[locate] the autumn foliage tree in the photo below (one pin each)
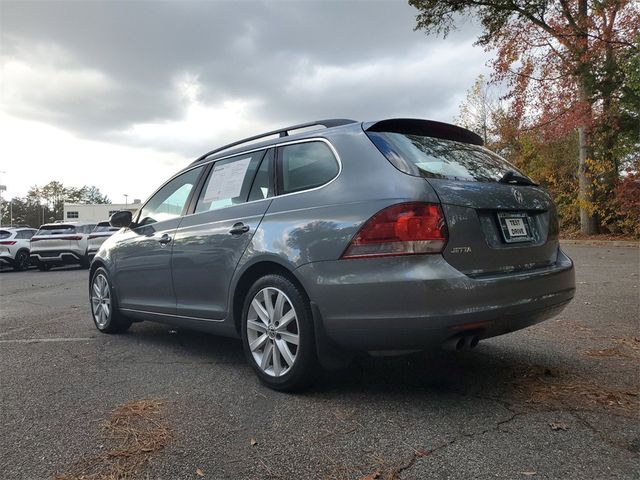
(568, 65)
(479, 109)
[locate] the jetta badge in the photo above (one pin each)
(517, 194)
(461, 250)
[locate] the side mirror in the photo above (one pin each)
(120, 219)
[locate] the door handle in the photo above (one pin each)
(164, 239)
(239, 228)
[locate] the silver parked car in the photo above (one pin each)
(98, 235)
(62, 243)
(396, 235)
(14, 247)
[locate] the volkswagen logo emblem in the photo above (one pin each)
(517, 194)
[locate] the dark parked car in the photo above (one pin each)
(395, 235)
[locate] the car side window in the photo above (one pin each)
(302, 166)
(263, 182)
(169, 201)
(229, 182)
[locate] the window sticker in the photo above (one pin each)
(226, 180)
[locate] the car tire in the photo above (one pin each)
(22, 261)
(104, 305)
(44, 267)
(278, 338)
(84, 261)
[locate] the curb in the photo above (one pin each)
(601, 243)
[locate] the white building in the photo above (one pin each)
(95, 212)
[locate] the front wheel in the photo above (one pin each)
(104, 307)
(278, 334)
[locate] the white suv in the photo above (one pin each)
(58, 244)
(97, 237)
(14, 246)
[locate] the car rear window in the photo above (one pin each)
(56, 230)
(105, 228)
(440, 158)
(302, 166)
(4, 234)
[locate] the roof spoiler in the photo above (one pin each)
(282, 132)
(429, 128)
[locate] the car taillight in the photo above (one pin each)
(8, 242)
(68, 237)
(403, 229)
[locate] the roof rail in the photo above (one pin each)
(283, 132)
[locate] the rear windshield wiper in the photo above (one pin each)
(516, 179)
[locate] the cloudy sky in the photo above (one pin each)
(121, 94)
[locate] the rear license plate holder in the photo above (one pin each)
(515, 227)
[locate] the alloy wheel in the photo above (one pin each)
(100, 300)
(273, 331)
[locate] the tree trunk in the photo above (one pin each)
(588, 219)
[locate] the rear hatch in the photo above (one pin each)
(54, 238)
(498, 220)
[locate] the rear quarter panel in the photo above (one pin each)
(318, 224)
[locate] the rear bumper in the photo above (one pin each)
(56, 256)
(6, 259)
(421, 301)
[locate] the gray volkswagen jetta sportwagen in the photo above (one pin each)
(395, 235)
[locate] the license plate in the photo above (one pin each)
(515, 227)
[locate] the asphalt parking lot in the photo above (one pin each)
(558, 400)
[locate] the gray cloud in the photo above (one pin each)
(98, 68)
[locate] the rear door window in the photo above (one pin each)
(230, 182)
(4, 234)
(440, 158)
(302, 166)
(263, 182)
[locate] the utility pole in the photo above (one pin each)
(126, 200)
(2, 189)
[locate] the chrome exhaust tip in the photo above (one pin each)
(455, 344)
(458, 344)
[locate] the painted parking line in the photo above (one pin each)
(13, 330)
(45, 340)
